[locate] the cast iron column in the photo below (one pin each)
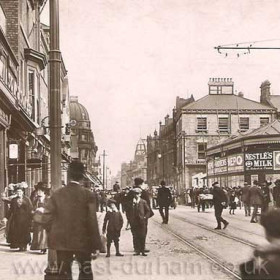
(54, 95)
(55, 118)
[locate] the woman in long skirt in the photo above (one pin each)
(39, 241)
(20, 220)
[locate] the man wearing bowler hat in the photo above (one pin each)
(219, 202)
(164, 199)
(73, 224)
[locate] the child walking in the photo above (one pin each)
(113, 222)
(232, 202)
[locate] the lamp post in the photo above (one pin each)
(161, 157)
(55, 116)
(54, 95)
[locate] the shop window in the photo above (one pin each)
(3, 68)
(243, 124)
(201, 124)
(201, 151)
(264, 121)
(31, 95)
(223, 125)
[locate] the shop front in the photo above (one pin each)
(245, 158)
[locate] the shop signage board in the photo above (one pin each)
(276, 160)
(236, 163)
(210, 167)
(259, 161)
(220, 165)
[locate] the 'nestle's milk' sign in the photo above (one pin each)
(259, 161)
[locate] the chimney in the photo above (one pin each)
(265, 92)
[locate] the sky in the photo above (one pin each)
(127, 60)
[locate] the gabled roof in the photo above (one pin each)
(225, 102)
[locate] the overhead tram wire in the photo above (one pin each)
(246, 46)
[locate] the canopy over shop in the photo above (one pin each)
(254, 155)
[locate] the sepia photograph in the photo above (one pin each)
(139, 139)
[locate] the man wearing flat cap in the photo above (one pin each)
(219, 202)
(138, 214)
(74, 227)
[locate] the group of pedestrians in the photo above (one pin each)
(19, 216)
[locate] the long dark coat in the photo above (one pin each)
(164, 197)
(74, 226)
(20, 222)
(256, 196)
(219, 196)
(276, 195)
(245, 194)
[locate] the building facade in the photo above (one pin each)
(83, 146)
(161, 154)
(210, 120)
(136, 168)
(246, 157)
(24, 97)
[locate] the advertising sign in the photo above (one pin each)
(259, 161)
(210, 167)
(236, 163)
(276, 160)
(220, 165)
(13, 151)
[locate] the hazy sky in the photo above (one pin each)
(128, 59)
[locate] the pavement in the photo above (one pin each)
(169, 257)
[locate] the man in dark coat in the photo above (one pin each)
(116, 187)
(256, 199)
(266, 196)
(74, 227)
(219, 202)
(245, 199)
(164, 198)
(138, 214)
(265, 263)
(276, 193)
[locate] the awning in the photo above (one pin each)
(93, 179)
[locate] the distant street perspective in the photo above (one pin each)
(139, 140)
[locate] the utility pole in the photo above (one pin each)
(104, 169)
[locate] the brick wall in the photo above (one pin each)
(11, 9)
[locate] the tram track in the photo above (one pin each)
(238, 228)
(221, 233)
(201, 251)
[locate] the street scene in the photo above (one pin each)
(139, 139)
